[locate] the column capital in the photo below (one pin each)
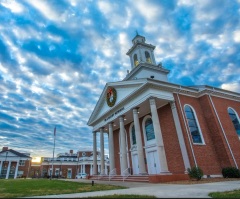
(135, 110)
(152, 101)
(101, 129)
(172, 104)
(121, 118)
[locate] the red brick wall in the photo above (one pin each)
(25, 168)
(206, 156)
(218, 140)
(170, 140)
(116, 151)
(222, 106)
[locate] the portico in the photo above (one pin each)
(132, 112)
(13, 164)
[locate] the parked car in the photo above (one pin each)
(81, 175)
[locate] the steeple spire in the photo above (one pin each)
(137, 33)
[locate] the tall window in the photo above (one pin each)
(147, 55)
(22, 163)
(193, 126)
(135, 58)
(150, 135)
(133, 136)
(235, 120)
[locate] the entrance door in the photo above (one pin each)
(135, 164)
(153, 163)
(69, 173)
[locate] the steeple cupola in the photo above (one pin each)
(141, 52)
(143, 64)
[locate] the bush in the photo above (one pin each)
(231, 172)
(195, 172)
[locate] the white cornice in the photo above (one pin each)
(144, 65)
(148, 83)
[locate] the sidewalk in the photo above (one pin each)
(158, 190)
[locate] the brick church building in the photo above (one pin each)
(160, 129)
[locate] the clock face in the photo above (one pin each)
(111, 96)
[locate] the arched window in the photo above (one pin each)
(135, 58)
(235, 120)
(150, 135)
(193, 125)
(147, 55)
(133, 136)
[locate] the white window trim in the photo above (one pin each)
(199, 127)
(146, 142)
(237, 119)
(22, 162)
(57, 169)
(130, 133)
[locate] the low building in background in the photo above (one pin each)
(67, 165)
(14, 164)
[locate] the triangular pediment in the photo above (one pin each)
(7, 154)
(123, 90)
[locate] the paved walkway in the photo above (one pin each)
(158, 190)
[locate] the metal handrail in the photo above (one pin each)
(112, 174)
(125, 174)
(102, 173)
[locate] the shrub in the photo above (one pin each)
(195, 172)
(231, 172)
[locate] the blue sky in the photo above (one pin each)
(57, 55)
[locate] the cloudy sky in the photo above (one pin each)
(57, 55)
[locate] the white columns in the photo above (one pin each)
(141, 163)
(84, 168)
(111, 147)
(123, 145)
(94, 154)
(102, 150)
(16, 170)
(180, 137)
(99, 168)
(91, 170)
(158, 136)
(8, 170)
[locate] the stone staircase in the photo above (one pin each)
(131, 178)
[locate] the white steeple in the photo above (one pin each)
(143, 64)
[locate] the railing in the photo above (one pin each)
(102, 173)
(125, 174)
(112, 174)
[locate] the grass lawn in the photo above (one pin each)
(226, 194)
(36, 187)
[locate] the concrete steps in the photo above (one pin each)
(131, 178)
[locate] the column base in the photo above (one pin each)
(143, 174)
(165, 173)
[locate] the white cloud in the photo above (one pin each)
(149, 11)
(14, 6)
(236, 35)
(47, 11)
(112, 14)
(231, 86)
